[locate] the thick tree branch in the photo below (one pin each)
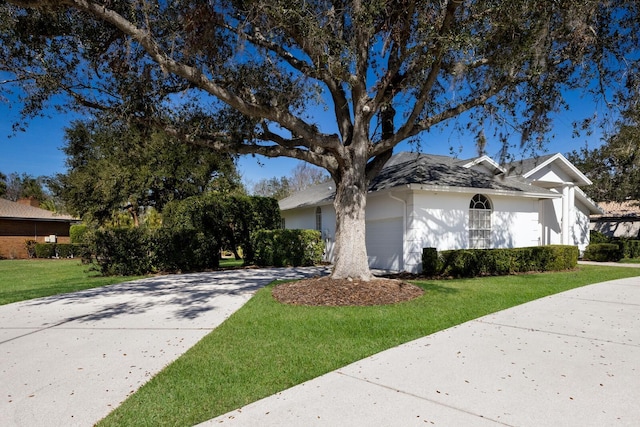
(428, 122)
(340, 102)
(192, 74)
(439, 52)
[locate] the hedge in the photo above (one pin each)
(185, 250)
(486, 262)
(123, 251)
(55, 250)
(287, 247)
(193, 233)
(629, 248)
(604, 252)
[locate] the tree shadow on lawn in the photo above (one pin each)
(435, 288)
(180, 296)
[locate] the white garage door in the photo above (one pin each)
(384, 244)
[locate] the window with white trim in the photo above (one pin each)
(480, 222)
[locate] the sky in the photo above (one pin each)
(37, 151)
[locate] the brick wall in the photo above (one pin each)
(14, 234)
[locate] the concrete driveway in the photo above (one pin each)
(68, 360)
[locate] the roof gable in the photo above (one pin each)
(550, 169)
(487, 162)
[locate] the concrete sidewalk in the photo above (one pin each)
(68, 360)
(571, 359)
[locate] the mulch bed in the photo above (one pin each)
(324, 291)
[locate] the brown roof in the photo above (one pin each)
(14, 210)
(620, 209)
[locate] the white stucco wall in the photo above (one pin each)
(515, 222)
(551, 221)
(580, 231)
(442, 221)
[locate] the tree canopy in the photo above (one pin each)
(614, 167)
(21, 186)
(115, 167)
(246, 76)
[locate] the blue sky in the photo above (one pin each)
(37, 151)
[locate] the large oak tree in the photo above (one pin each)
(246, 75)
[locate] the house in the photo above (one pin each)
(620, 219)
(420, 200)
(24, 220)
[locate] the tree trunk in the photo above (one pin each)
(350, 246)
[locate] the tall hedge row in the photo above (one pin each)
(485, 262)
(605, 248)
(193, 233)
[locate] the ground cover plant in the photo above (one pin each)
(267, 346)
(34, 278)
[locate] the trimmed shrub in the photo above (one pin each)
(598, 237)
(630, 248)
(45, 250)
(185, 250)
(69, 250)
(430, 261)
(287, 247)
(123, 251)
(483, 262)
(604, 252)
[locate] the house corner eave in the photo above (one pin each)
(488, 191)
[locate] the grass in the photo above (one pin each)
(630, 261)
(34, 278)
(266, 347)
(231, 263)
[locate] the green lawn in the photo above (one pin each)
(231, 263)
(266, 347)
(34, 278)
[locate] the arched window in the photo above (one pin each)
(318, 219)
(480, 222)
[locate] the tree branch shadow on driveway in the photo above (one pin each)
(181, 296)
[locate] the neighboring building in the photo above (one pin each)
(620, 219)
(24, 220)
(421, 200)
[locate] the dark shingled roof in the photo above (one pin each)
(416, 168)
(521, 167)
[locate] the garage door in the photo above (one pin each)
(384, 244)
